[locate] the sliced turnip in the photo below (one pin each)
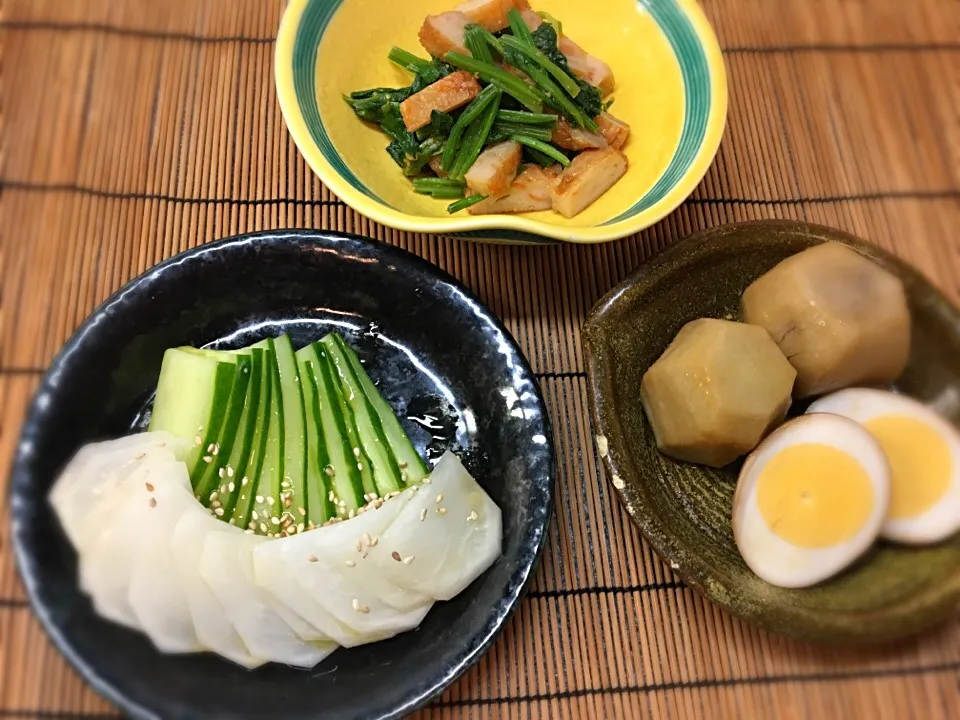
(336, 568)
(157, 594)
(226, 565)
(446, 536)
(98, 468)
(214, 629)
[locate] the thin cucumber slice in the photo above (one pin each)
(246, 430)
(292, 491)
(370, 435)
(345, 481)
(192, 397)
(319, 503)
(406, 455)
(249, 479)
(267, 498)
(218, 473)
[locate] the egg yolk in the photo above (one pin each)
(813, 495)
(919, 461)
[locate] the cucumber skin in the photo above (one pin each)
(271, 470)
(373, 441)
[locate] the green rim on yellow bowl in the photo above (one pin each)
(699, 112)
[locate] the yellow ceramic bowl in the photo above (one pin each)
(670, 87)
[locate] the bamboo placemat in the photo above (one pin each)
(134, 130)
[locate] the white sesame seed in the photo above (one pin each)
(366, 538)
(197, 440)
(210, 448)
(331, 497)
(243, 483)
(153, 502)
(312, 558)
(207, 459)
(275, 520)
(255, 515)
(350, 563)
(259, 498)
(360, 467)
(229, 471)
(439, 498)
(364, 609)
(231, 487)
(408, 560)
(441, 511)
(218, 512)
(423, 514)
(220, 472)
(402, 464)
(270, 500)
(329, 471)
(300, 528)
(263, 527)
(252, 525)
(352, 514)
(472, 516)
(302, 511)
(149, 487)
(359, 546)
(356, 604)
(403, 476)
(214, 495)
(215, 504)
(223, 489)
(248, 532)
(233, 521)
(426, 481)
(216, 449)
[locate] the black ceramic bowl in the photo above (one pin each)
(433, 349)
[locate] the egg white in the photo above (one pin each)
(780, 562)
(942, 519)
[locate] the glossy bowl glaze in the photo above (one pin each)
(684, 510)
(434, 351)
(671, 89)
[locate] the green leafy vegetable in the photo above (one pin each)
(475, 139)
(554, 95)
(440, 125)
(500, 78)
(526, 118)
(465, 203)
(477, 44)
(470, 113)
(548, 150)
(428, 149)
(589, 99)
(518, 26)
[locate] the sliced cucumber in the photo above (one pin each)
(341, 395)
(408, 460)
(193, 393)
(246, 430)
(293, 494)
(250, 476)
(267, 497)
(370, 435)
(319, 506)
(219, 472)
(346, 481)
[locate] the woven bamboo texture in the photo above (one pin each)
(134, 130)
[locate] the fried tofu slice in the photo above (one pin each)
(529, 192)
(491, 14)
(436, 164)
(586, 66)
(614, 130)
(494, 170)
(589, 175)
(446, 94)
(569, 137)
(443, 33)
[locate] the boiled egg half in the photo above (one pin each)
(810, 499)
(923, 451)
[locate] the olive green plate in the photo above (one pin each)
(683, 510)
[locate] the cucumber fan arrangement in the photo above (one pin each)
(274, 511)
